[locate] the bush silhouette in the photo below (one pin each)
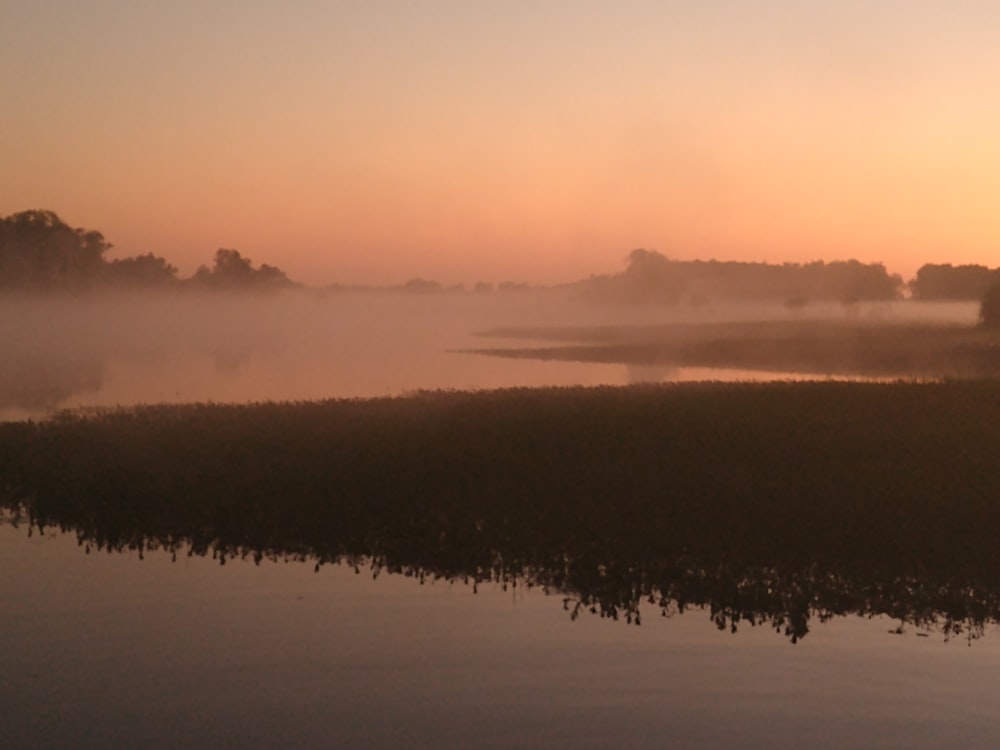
(989, 310)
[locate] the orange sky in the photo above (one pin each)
(375, 141)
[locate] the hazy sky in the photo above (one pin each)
(371, 141)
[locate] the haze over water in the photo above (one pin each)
(123, 349)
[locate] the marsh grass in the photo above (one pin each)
(817, 347)
(767, 503)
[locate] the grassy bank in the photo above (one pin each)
(766, 502)
(823, 347)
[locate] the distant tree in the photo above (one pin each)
(231, 270)
(268, 275)
(652, 277)
(989, 308)
(943, 281)
(422, 286)
(513, 286)
(231, 267)
(852, 281)
(649, 278)
(39, 251)
(145, 271)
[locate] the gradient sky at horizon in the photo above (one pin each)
(380, 140)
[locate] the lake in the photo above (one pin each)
(107, 650)
(125, 350)
(162, 648)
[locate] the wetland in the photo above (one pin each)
(449, 520)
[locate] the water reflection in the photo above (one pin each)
(191, 654)
(734, 593)
(39, 382)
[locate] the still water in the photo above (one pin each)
(121, 351)
(107, 650)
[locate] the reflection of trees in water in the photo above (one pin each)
(235, 353)
(43, 381)
(64, 353)
(831, 499)
(734, 592)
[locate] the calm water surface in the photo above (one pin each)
(122, 351)
(107, 650)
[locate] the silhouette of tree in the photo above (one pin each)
(989, 309)
(38, 250)
(230, 270)
(945, 281)
(513, 286)
(852, 281)
(422, 286)
(651, 277)
(141, 271)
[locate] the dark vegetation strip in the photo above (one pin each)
(766, 502)
(821, 347)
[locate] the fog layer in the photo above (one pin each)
(61, 352)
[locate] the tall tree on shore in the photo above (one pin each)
(40, 251)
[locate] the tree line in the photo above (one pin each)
(39, 252)
(943, 281)
(651, 277)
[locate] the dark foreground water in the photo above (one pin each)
(108, 650)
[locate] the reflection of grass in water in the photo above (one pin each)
(823, 347)
(767, 502)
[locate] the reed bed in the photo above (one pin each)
(767, 503)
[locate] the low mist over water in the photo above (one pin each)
(123, 349)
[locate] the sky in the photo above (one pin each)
(375, 141)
